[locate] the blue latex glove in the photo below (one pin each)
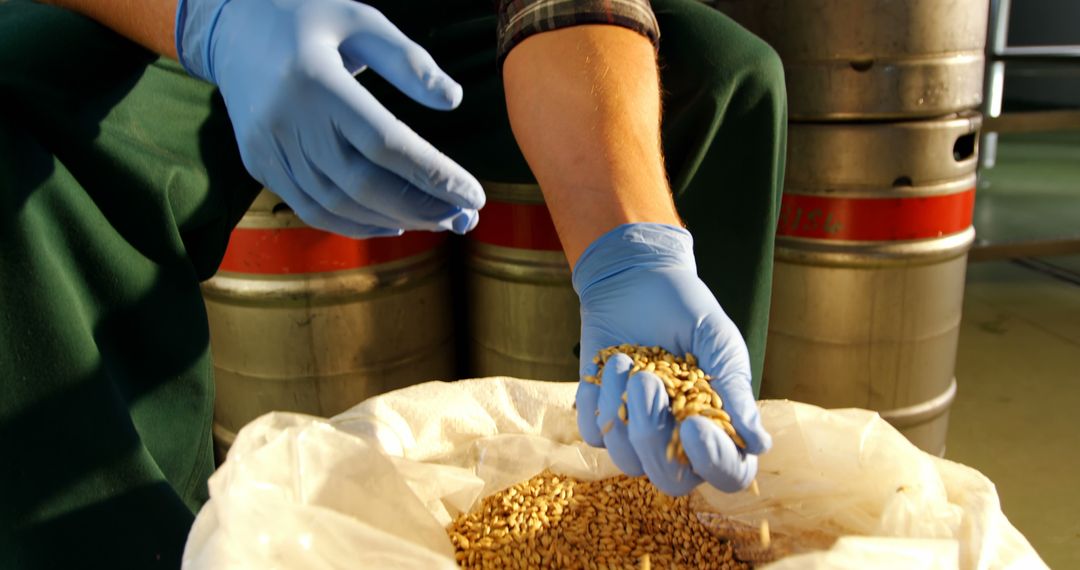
(310, 132)
(638, 284)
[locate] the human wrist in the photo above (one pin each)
(194, 28)
(605, 213)
(632, 246)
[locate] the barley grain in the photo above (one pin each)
(621, 522)
(687, 387)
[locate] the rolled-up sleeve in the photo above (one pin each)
(519, 19)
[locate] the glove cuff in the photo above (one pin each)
(194, 28)
(634, 246)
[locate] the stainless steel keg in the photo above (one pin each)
(308, 321)
(523, 313)
(873, 59)
(870, 261)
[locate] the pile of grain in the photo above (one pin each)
(687, 387)
(560, 522)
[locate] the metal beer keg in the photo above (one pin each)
(308, 321)
(871, 254)
(523, 313)
(873, 59)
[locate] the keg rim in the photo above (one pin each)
(859, 254)
(513, 192)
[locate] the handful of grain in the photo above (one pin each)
(561, 522)
(687, 387)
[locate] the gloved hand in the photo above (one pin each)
(310, 132)
(638, 284)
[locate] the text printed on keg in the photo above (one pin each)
(794, 219)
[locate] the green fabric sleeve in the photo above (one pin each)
(119, 184)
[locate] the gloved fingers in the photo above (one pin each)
(714, 456)
(322, 189)
(589, 349)
(738, 398)
(388, 194)
(401, 61)
(587, 404)
(722, 354)
(390, 144)
(651, 426)
(586, 401)
(616, 437)
(314, 215)
(586, 367)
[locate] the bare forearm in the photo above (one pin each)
(148, 22)
(584, 104)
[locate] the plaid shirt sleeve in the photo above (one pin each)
(519, 19)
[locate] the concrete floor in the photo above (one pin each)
(1017, 414)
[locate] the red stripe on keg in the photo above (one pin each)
(521, 226)
(282, 251)
(875, 219)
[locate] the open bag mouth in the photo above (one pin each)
(377, 485)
